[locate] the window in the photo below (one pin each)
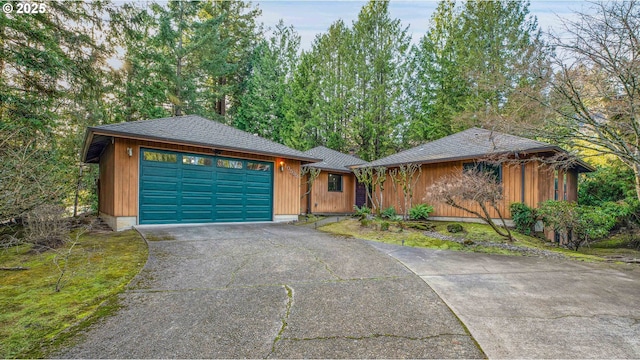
(258, 166)
(335, 182)
(495, 170)
(229, 164)
(159, 156)
(196, 160)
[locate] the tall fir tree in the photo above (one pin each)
(381, 44)
(262, 106)
(436, 87)
(501, 44)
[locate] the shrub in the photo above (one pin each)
(365, 222)
(389, 213)
(361, 211)
(384, 226)
(524, 217)
(576, 224)
(454, 228)
(420, 212)
(46, 226)
(607, 184)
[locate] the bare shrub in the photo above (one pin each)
(46, 226)
(464, 191)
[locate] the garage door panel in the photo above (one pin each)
(227, 201)
(160, 185)
(180, 187)
(189, 187)
(252, 190)
(199, 174)
(259, 178)
(257, 202)
(161, 216)
(232, 176)
(197, 215)
(197, 201)
(151, 199)
(162, 172)
(229, 189)
(230, 216)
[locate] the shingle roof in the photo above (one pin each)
(190, 129)
(333, 160)
(469, 143)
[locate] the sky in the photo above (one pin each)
(310, 18)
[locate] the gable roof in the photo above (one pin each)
(188, 130)
(468, 144)
(333, 160)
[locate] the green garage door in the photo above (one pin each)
(189, 188)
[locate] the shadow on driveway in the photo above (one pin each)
(273, 291)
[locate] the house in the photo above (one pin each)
(526, 178)
(336, 189)
(189, 169)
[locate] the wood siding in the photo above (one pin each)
(538, 186)
(287, 187)
(106, 182)
(324, 201)
(119, 179)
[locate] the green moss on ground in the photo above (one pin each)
(599, 251)
(352, 227)
(33, 314)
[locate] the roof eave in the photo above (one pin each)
(466, 157)
(88, 137)
(163, 139)
(344, 171)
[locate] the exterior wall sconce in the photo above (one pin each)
(281, 166)
(130, 152)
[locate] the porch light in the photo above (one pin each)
(281, 166)
(130, 152)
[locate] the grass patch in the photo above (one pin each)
(351, 227)
(599, 251)
(308, 219)
(33, 314)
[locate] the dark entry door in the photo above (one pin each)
(361, 194)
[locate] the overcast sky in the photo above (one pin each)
(314, 17)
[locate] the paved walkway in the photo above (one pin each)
(528, 307)
(273, 291)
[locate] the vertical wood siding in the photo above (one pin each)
(119, 179)
(325, 201)
(538, 187)
(106, 182)
(287, 187)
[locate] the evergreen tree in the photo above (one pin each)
(381, 45)
(261, 108)
(500, 45)
(436, 87)
(139, 87)
(332, 112)
(242, 34)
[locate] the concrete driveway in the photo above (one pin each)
(525, 307)
(273, 291)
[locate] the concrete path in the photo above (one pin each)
(526, 307)
(273, 291)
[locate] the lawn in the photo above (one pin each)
(34, 316)
(597, 251)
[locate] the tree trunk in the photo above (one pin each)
(636, 172)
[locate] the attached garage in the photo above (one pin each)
(191, 170)
(190, 188)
